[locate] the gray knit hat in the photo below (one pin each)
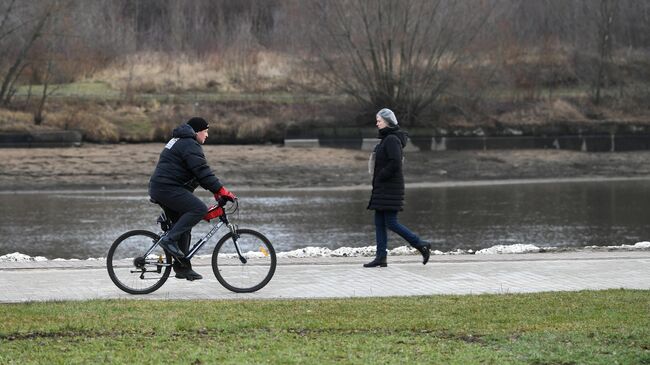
(388, 116)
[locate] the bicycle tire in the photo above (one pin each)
(127, 270)
(244, 277)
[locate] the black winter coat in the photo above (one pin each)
(183, 164)
(387, 178)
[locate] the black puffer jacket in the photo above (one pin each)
(182, 163)
(387, 178)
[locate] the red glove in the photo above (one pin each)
(223, 193)
(214, 211)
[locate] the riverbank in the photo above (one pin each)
(128, 166)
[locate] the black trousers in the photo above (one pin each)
(186, 238)
(185, 210)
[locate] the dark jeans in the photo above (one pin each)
(189, 208)
(387, 219)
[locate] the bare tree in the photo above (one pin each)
(17, 19)
(38, 113)
(605, 26)
(6, 13)
(30, 32)
(392, 53)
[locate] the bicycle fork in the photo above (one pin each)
(235, 236)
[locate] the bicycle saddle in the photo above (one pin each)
(163, 219)
(167, 210)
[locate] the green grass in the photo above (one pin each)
(604, 327)
(90, 90)
(103, 91)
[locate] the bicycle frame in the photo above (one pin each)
(223, 220)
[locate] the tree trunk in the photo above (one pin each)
(15, 69)
(604, 47)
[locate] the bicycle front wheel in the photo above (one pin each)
(250, 272)
(130, 270)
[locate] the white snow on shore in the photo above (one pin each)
(516, 248)
(19, 257)
(638, 245)
(644, 244)
(370, 251)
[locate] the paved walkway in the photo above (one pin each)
(344, 277)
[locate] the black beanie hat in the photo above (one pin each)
(198, 124)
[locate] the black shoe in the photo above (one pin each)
(425, 250)
(180, 268)
(171, 247)
(183, 270)
(181, 274)
(378, 261)
(192, 275)
(188, 274)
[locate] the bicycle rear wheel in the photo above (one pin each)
(130, 270)
(247, 275)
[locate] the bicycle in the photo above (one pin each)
(243, 260)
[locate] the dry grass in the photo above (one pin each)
(93, 126)
(15, 121)
(241, 71)
(245, 121)
(157, 72)
(544, 112)
(250, 95)
(253, 128)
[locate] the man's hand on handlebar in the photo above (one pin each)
(224, 194)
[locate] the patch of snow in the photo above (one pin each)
(354, 251)
(307, 252)
(19, 257)
(516, 248)
(644, 244)
(638, 245)
(403, 251)
(369, 251)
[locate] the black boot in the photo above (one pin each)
(183, 270)
(378, 261)
(192, 275)
(171, 247)
(425, 250)
(180, 268)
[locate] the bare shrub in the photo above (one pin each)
(158, 72)
(162, 131)
(238, 70)
(221, 133)
(93, 127)
(544, 112)
(396, 54)
(254, 129)
(15, 121)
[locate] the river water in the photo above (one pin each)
(83, 224)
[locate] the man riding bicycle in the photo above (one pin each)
(181, 168)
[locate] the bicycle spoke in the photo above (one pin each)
(247, 275)
(130, 271)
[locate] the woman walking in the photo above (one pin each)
(387, 196)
